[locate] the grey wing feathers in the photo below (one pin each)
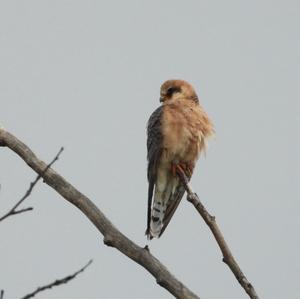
(154, 148)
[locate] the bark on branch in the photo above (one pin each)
(112, 236)
(212, 224)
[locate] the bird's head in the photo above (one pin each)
(177, 90)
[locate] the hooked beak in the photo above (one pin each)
(161, 99)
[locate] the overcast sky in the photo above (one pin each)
(86, 75)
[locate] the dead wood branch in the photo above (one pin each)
(14, 210)
(212, 224)
(112, 236)
(57, 282)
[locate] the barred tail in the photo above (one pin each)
(157, 215)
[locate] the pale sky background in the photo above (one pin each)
(86, 75)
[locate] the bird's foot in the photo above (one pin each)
(181, 168)
(189, 170)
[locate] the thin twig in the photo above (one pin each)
(57, 282)
(112, 236)
(212, 224)
(13, 210)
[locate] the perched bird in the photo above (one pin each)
(177, 132)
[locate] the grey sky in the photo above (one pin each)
(86, 75)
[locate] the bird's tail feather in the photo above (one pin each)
(157, 215)
(161, 201)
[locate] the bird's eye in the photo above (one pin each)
(172, 90)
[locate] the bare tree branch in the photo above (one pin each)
(212, 224)
(2, 294)
(57, 282)
(112, 236)
(13, 210)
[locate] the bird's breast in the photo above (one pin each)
(182, 134)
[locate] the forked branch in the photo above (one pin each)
(112, 236)
(14, 210)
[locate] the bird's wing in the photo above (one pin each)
(154, 149)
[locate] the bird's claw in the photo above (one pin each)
(181, 168)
